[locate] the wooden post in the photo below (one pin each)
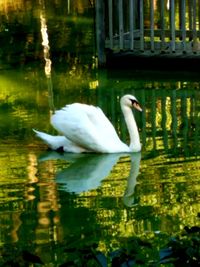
(198, 14)
(110, 17)
(100, 32)
(190, 18)
(183, 23)
(141, 26)
(121, 25)
(162, 22)
(194, 28)
(172, 25)
(131, 25)
(152, 24)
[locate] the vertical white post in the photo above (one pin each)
(162, 20)
(141, 25)
(183, 28)
(199, 15)
(121, 25)
(194, 30)
(172, 25)
(110, 17)
(152, 25)
(100, 32)
(190, 18)
(131, 23)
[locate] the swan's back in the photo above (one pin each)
(88, 127)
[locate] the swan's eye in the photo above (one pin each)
(133, 102)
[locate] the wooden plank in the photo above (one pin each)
(157, 47)
(190, 14)
(141, 25)
(100, 32)
(121, 24)
(157, 33)
(199, 15)
(183, 24)
(110, 18)
(131, 24)
(172, 25)
(194, 20)
(152, 24)
(162, 20)
(194, 30)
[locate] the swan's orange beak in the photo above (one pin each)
(136, 105)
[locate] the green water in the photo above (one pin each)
(61, 207)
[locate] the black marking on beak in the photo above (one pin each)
(133, 101)
(136, 104)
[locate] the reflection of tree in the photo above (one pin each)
(19, 32)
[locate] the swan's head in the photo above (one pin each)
(130, 101)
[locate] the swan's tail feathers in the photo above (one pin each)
(54, 142)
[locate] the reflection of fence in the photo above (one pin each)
(170, 119)
(149, 27)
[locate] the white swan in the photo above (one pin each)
(85, 128)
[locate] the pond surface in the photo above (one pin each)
(59, 207)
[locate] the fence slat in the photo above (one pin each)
(194, 30)
(198, 14)
(131, 24)
(141, 25)
(100, 32)
(110, 17)
(162, 20)
(152, 25)
(172, 24)
(190, 14)
(183, 24)
(121, 25)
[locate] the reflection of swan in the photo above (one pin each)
(85, 128)
(128, 197)
(85, 172)
(88, 170)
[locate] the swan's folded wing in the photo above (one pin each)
(86, 126)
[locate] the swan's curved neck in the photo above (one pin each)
(132, 129)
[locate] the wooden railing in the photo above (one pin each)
(148, 26)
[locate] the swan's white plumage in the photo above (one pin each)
(85, 128)
(88, 127)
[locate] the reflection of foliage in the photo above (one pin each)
(85, 256)
(182, 250)
(133, 252)
(14, 257)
